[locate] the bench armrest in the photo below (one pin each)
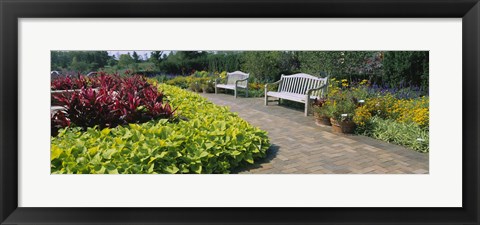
(246, 79)
(266, 85)
(309, 91)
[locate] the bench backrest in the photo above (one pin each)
(238, 75)
(300, 83)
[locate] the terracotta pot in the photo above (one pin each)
(322, 120)
(346, 127)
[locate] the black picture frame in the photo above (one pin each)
(12, 10)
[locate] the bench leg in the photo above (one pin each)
(235, 93)
(246, 93)
(306, 110)
(307, 106)
(216, 89)
(266, 99)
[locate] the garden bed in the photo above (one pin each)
(202, 138)
(399, 116)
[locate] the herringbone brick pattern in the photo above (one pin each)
(299, 146)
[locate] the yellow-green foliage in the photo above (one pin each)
(193, 83)
(256, 86)
(210, 139)
(181, 81)
(223, 74)
(202, 73)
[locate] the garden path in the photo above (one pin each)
(299, 146)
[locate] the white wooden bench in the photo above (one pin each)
(298, 87)
(234, 81)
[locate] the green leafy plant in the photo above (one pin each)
(318, 107)
(180, 81)
(409, 135)
(340, 106)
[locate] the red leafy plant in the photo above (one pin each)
(117, 101)
(70, 83)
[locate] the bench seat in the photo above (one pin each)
(289, 96)
(226, 86)
(300, 87)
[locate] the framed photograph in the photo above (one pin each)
(200, 112)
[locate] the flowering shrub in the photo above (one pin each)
(340, 105)
(412, 111)
(401, 110)
(344, 83)
(380, 106)
(362, 116)
(334, 86)
(399, 115)
(118, 101)
(402, 91)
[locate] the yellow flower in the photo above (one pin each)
(362, 115)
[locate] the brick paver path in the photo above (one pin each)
(300, 146)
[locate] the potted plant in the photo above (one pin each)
(208, 86)
(320, 112)
(204, 87)
(195, 86)
(341, 115)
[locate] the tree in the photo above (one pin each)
(79, 66)
(263, 66)
(135, 57)
(182, 62)
(125, 61)
(314, 62)
(341, 64)
(410, 67)
(155, 56)
(91, 59)
(224, 61)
